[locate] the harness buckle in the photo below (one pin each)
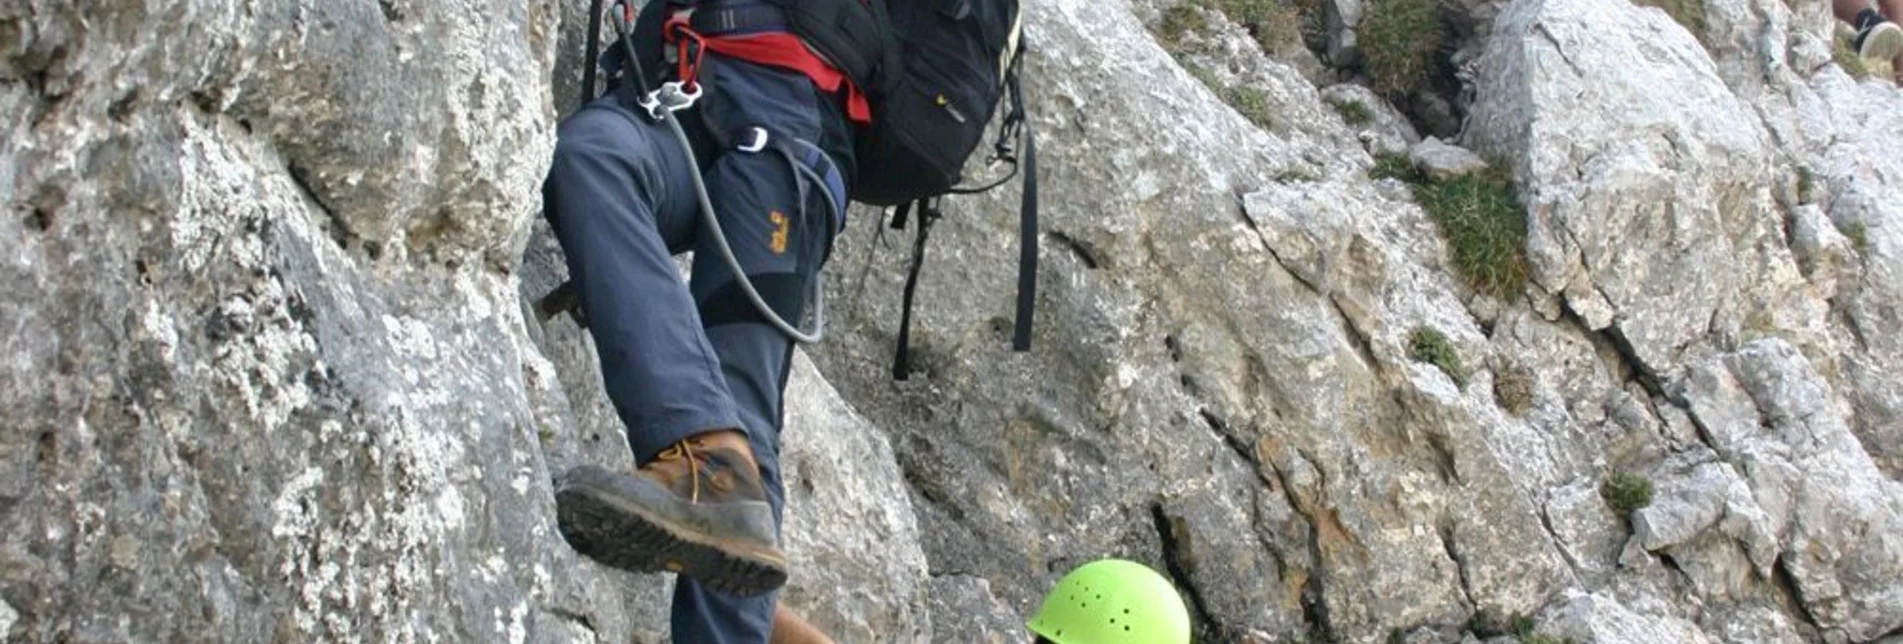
(672, 96)
(757, 144)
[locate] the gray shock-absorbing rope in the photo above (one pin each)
(818, 291)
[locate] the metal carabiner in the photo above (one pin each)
(672, 96)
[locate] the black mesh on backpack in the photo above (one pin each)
(931, 114)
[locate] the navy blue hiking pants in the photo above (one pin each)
(678, 358)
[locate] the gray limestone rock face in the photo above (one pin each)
(851, 534)
(1648, 211)
(1605, 620)
(269, 381)
(1384, 131)
(7, 617)
(1864, 204)
(273, 374)
(1837, 520)
(1442, 161)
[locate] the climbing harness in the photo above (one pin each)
(661, 104)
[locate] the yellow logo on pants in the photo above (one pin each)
(780, 223)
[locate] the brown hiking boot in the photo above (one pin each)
(696, 510)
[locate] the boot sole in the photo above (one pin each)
(600, 521)
(1884, 42)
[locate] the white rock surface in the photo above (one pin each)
(1386, 131)
(1441, 161)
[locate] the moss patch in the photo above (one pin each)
(1354, 113)
(1806, 185)
(1626, 492)
(1513, 387)
(1859, 237)
(1400, 39)
(1429, 345)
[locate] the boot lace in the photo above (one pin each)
(686, 450)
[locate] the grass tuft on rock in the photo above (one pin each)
(1179, 21)
(1274, 25)
(1485, 225)
(1488, 623)
(1400, 39)
(1689, 14)
(1626, 492)
(1481, 217)
(1252, 103)
(1394, 166)
(1429, 345)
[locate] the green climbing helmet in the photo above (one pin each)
(1112, 601)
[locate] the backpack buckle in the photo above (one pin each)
(672, 96)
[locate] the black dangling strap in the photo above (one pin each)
(899, 215)
(902, 361)
(1027, 245)
(1027, 210)
(594, 54)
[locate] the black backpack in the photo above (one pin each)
(935, 72)
(958, 60)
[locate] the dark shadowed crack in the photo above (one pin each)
(1786, 584)
(1364, 345)
(1641, 373)
(1704, 432)
(1444, 459)
(1445, 528)
(1242, 212)
(1671, 564)
(1314, 588)
(578, 618)
(1315, 610)
(391, 12)
(1552, 534)
(1630, 366)
(1179, 562)
(1084, 251)
(1236, 445)
(340, 232)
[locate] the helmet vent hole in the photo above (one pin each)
(1126, 629)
